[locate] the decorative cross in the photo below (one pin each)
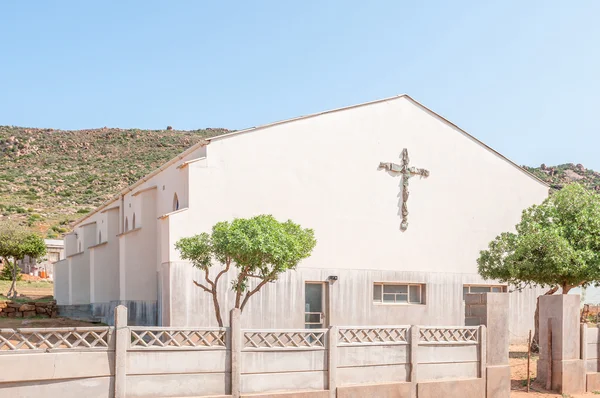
(407, 172)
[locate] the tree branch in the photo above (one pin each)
(202, 286)
(238, 293)
(223, 272)
(206, 276)
(256, 289)
(551, 291)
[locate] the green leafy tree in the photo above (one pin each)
(259, 249)
(556, 245)
(16, 243)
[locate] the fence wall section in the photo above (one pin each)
(377, 354)
(177, 362)
(344, 362)
(57, 362)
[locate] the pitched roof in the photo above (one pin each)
(406, 96)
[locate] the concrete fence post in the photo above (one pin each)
(494, 345)
(482, 351)
(414, 346)
(235, 335)
(122, 339)
(332, 360)
(560, 365)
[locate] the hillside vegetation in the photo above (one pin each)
(48, 178)
(559, 176)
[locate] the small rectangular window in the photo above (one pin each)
(398, 293)
(377, 293)
(415, 293)
(483, 289)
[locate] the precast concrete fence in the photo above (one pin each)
(339, 361)
(569, 350)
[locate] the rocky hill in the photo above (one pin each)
(559, 176)
(48, 178)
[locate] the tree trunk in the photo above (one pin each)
(217, 307)
(536, 335)
(13, 286)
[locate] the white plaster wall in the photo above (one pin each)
(80, 278)
(102, 233)
(171, 180)
(70, 244)
(80, 286)
(322, 173)
(104, 262)
(139, 254)
(61, 282)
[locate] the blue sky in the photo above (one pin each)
(523, 76)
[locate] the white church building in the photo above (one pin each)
(382, 256)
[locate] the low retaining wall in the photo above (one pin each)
(345, 362)
(11, 309)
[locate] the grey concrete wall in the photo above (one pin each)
(351, 300)
(186, 362)
(276, 370)
(177, 373)
(448, 361)
(57, 374)
(140, 313)
(362, 364)
(475, 309)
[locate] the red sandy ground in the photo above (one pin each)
(518, 367)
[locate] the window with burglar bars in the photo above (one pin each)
(399, 293)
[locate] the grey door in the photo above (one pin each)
(314, 305)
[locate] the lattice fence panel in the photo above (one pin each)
(449, 335)
(309, 338)
(55, 338)
(373, 335)
(174, 338)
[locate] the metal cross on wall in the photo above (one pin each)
(406, 172)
